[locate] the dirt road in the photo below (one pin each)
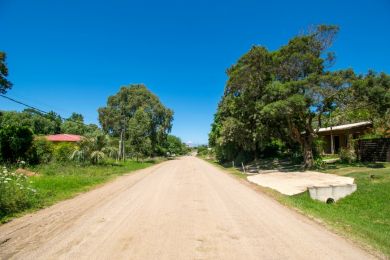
(180, 209)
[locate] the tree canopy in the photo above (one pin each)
(45, 124)
(281, 97)
(4, 83)
(135, 114)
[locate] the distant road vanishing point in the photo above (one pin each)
(179, 209)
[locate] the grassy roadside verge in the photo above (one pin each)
(363, 216)
(58, 182)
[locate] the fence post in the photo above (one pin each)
(243, 167)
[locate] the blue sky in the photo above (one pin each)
(69, 55)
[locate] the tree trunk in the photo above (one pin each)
(308, 160)
(120, 148)
(121, 153)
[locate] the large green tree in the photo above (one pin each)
(278, 95)
(4, 83)
(135, 113)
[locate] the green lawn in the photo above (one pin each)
(57, 182)
(363, 216)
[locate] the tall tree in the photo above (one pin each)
(116, 117)
(4, 83)
(278, 95)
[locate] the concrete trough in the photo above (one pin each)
(331, 193)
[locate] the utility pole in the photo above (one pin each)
(331, 135)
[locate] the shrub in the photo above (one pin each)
(243, 157)
(318, 147)
(347, 155)
(319, 163)
(15, 141)
(63, 151)
(273, 148)
(41, 151)
(16, 193)
(296, 157)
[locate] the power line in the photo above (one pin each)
(41, 111)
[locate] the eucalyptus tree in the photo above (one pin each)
(5, 84)
(134, 112)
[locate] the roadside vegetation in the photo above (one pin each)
(272, 107)
(55, 182)
(274, 102)
(365, 213)
(37, 173)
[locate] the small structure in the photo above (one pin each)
(321, 186)
(331, 193)
(295, 182)
(337, 137)
(64, 138)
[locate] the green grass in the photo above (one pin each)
(58, 182)
(363, 216)
(330, 156)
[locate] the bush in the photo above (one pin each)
(273, 148)
(16, 193)
(319, 163)
(243, 157)
(318, 147)
(15, 142)
(63, 151)
(41, 151)
(347, 155)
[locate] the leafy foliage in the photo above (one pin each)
(15, 142)
(63, 151)
(41, 151)
(140, 117)
(4, 83)
(283, 96)
(16, 193)
(175, 146)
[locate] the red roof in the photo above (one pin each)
(64, 138)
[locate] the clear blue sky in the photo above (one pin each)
(70, 55)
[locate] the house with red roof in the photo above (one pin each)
(64, 138)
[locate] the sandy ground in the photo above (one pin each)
(180, 209)
(291, 183)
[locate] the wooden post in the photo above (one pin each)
(331, 142)
(243, 167)
(233, 164)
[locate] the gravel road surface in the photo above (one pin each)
(179, 209)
